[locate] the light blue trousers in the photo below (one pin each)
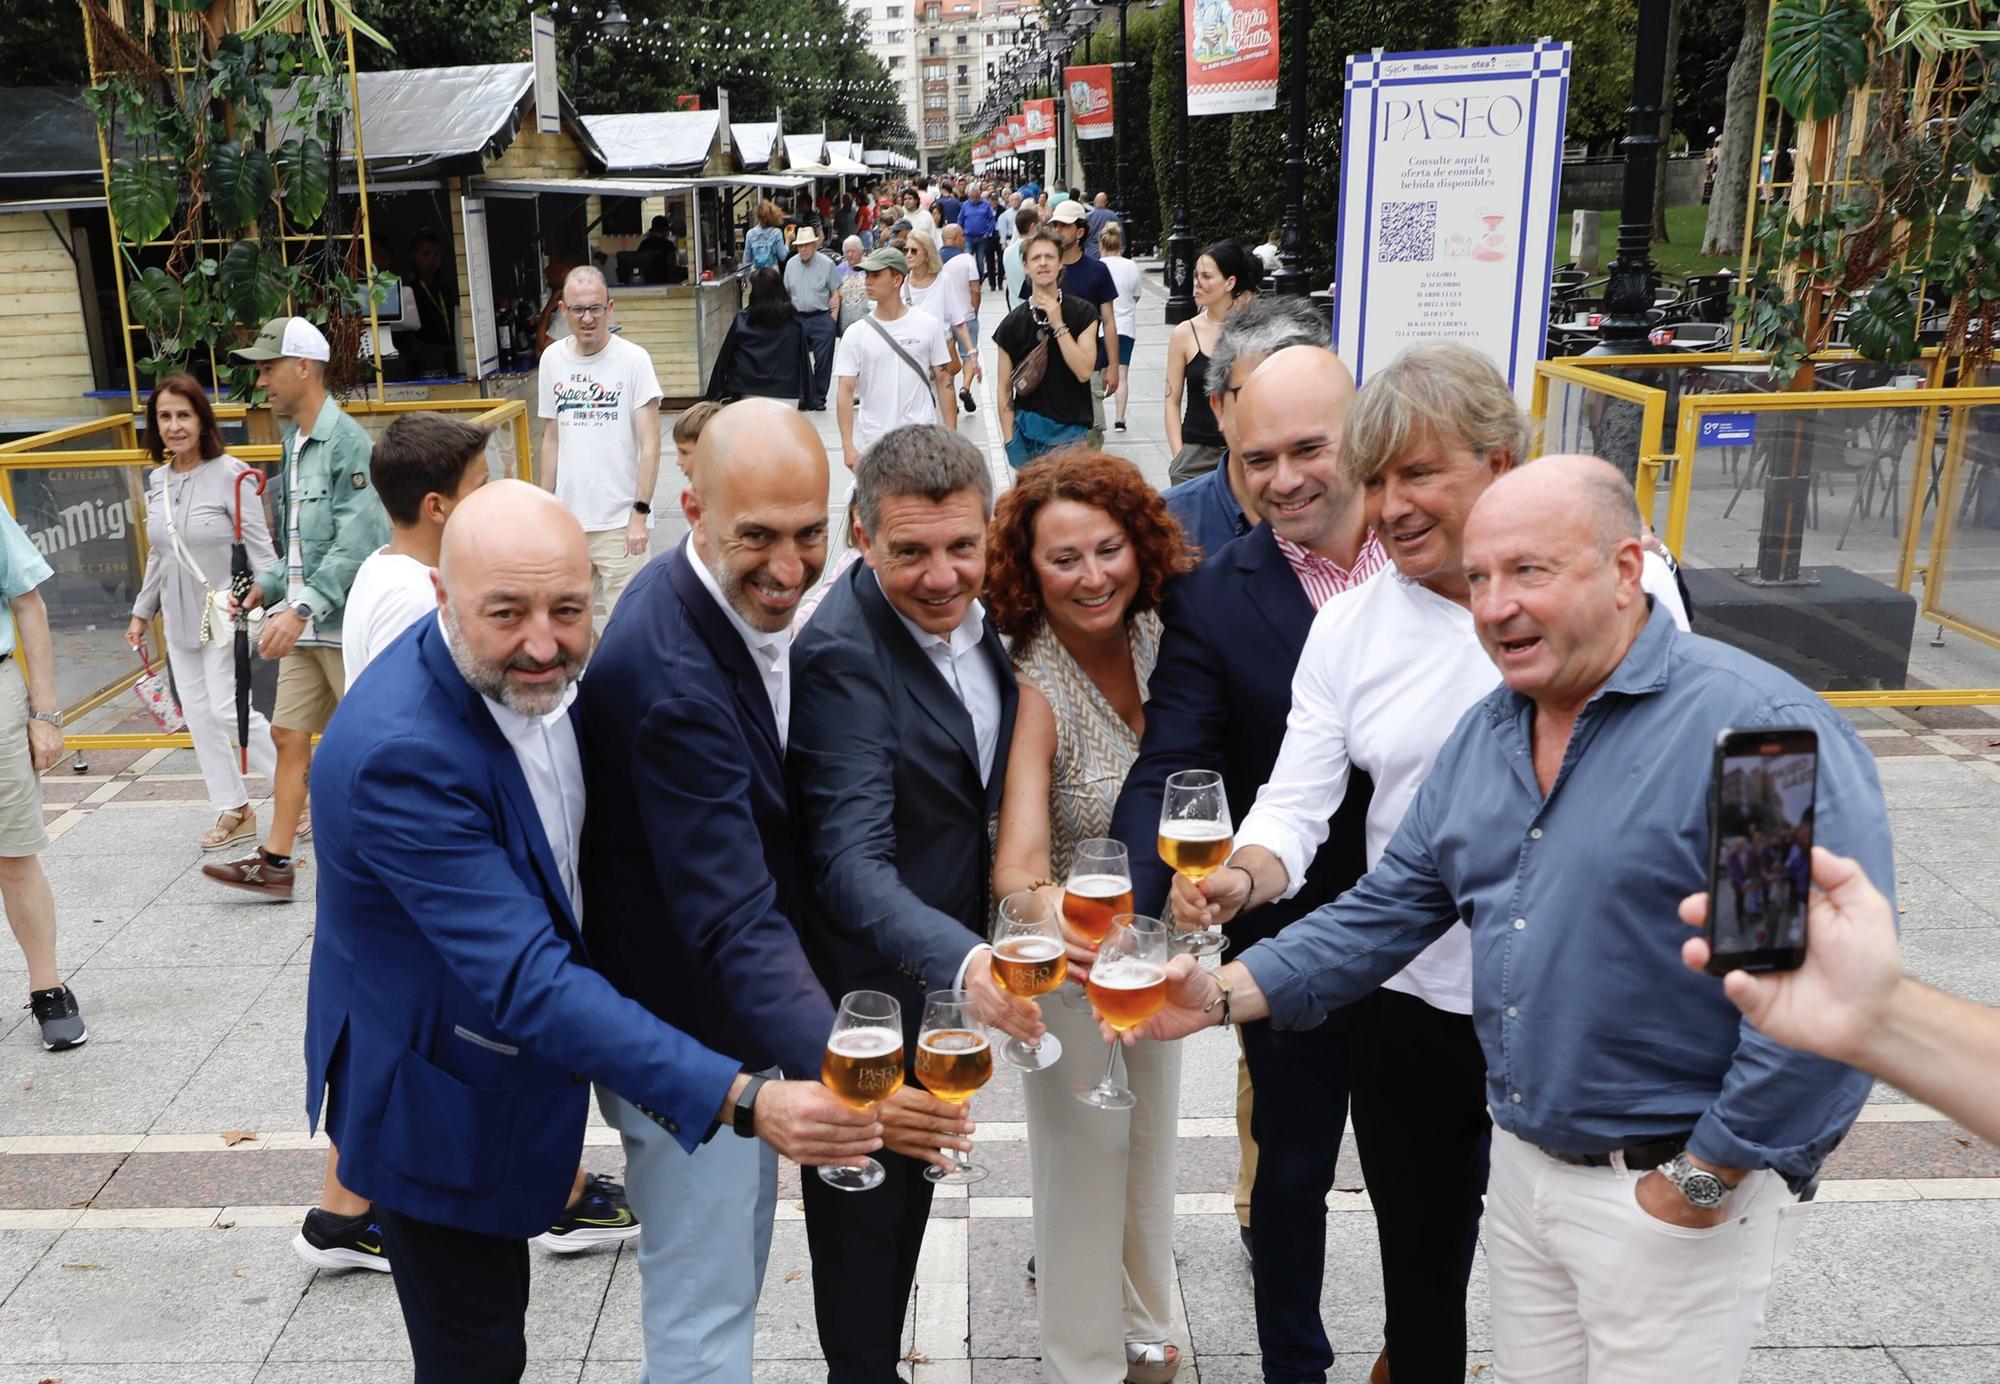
(704, 1239)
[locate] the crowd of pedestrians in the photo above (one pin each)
(1448, 697)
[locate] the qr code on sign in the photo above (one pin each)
(1409, 232)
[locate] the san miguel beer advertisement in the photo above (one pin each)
(1089, 91)
(1232, 55)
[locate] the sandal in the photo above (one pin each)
(237, 824)
(1151, 1362)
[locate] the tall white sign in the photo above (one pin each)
(548, 88)
(479, 279)
(1449, 169)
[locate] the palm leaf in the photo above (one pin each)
(1818, 52)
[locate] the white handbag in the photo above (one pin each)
(215, 604)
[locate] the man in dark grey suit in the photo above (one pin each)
(903, 707)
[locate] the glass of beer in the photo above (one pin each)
(864, 1067)
(1029, 959)
(1196, 837)
(1127, 986)
(953, 1061)
(1098, 889)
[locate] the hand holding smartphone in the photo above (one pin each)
(1761, 804)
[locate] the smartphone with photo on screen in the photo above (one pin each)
(1761, 802)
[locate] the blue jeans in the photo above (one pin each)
(1037, 436)
(986, 254)
(820, 334)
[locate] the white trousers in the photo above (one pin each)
(1588, 1286)
(205, 678)
(1104, 1200)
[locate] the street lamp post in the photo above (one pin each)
(1628, 295)
(1180, 242)
(1291, 275)
(1119, 95)
(612, 24)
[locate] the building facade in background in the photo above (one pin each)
(941, 54)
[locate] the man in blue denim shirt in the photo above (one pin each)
(1565, 818)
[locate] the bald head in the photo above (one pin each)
(756, 508)
(1553, 562)
(1289, 417)
(514, 584)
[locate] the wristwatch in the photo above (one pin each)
(640, 506)
(54, 718)
(303, 610)
(1700, 1186)
(743, 1119)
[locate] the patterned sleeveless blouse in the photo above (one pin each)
(1094, 746)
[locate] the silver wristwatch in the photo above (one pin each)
(1701, 1187)
(54, 718)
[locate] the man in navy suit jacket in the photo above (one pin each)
(898, 752)
(451, 1019)
(690, 883)
(1234, 630)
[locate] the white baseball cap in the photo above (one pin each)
(287, 336)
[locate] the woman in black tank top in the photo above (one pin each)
(1225, 276)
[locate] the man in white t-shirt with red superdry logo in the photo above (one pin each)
(600, 405)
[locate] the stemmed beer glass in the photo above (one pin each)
(1196, 837)
(1127, 986)
(954, 1060)
(864, 1067)
(1029, 959)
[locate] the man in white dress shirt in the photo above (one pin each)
(1389, 668)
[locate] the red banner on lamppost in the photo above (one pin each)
(1003, 140)
(982, 154)
(1090, 100)
(1232, 56)
(1017, 132)
(1040, 119)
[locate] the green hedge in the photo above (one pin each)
(1100, 156)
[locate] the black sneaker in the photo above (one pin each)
(965, 397)
(327, 1241)
(600, 1217)
(1118, 426)
(61, 1021)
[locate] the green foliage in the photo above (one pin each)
(306, 167)
(1600, 37)
(252, 281)
(1883, 324)
(142, 196)
(41, 44)
(1135, 86)
(239, 184)
(1818, 52)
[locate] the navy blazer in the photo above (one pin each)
(451, 1020)
(690, 882)
(1234, 630)
(885, 766)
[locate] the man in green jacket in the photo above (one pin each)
(327, 520)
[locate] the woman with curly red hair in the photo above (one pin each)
(1078, 556)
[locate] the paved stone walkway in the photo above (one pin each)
(150, 1182)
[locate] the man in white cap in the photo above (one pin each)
(813, 282)
(328, 520)
(1089, 280)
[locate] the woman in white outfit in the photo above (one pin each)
(190, 523)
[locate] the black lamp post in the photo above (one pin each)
(1628, 295)
(1180, 241)
(1119, 96)
(612, 23)
(1291, 275)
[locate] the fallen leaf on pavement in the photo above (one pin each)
(916, 1357)
(241, 1273)
(232, 1137)
(83, 1266)
(794, 1275)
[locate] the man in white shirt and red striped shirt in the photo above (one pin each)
(1234, 630)
(1390, 667)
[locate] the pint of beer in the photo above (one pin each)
(863, 1066)
(1195, 849)
(1029, 966)
(953, 1063)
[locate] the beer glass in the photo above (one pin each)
(1029, 959)
(1098, 889)
(1195, 839)
(864, 1067)
(953, 1061)
(1127, 986)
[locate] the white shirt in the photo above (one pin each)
(968, 673)
(947, 298)
(771, 651)
(1387, 672)
(1125, 307)
(391, 592)
(890, 392)
(594, 400)
(545, 746)
(1005, 225)
(963, 270)
(920, 220)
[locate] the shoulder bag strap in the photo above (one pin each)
(908, 359)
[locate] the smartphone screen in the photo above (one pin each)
(1760, 848)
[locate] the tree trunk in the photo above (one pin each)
(1736, 155)
(1666, 122)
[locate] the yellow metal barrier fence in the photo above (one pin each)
(1804, 521)
(79, 493)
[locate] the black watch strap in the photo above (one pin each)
(743, 1119)
(642, 507)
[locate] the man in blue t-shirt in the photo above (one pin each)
(1089, 280)
(980, 220)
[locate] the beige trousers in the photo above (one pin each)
(1104, 1200)
(611, 569)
